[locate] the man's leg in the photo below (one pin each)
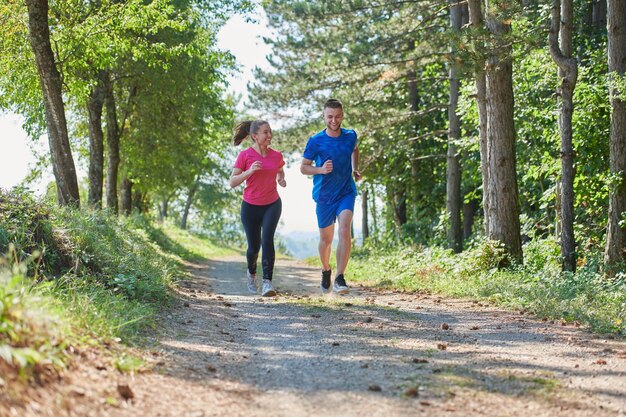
(344, 247)
(326, 239)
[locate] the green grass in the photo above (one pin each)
(84, 278)
(538, 286)
(195, 247)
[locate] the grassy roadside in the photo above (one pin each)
(81, 279)
(586, 297)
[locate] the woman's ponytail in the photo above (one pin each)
(242, 130)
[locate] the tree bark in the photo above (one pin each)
(504, 225)
(96, 144)
(453, 171)
(113, 145)
(58, 139)
(374, 214)
(469, 212)
(126, 194)
(364, 221)
(599, 13)
(615, 251)
(163, 210)
(192, 192)
(138, 202)
(562, 29)
(476, 20)
(399, 207)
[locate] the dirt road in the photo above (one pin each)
(371, 353)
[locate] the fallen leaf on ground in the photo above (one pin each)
(444, 326)
(374, 387)
(442, 346)
(411, 392)
(125, 391)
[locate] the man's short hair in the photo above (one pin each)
(333, 103)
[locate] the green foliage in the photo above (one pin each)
(112, 290)
(31, 332)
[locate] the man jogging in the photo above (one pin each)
(336, 155)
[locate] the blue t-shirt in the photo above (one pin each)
(330, 188)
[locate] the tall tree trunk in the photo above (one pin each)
(374, 213)
(364, 221)
(469, 212)
(453, 171)
(562, 29)
(399, 206)
(138, 203)
(504, 225)
(599, 15)
(113, 145)
(188, 203)
(476, 20)
(126, 194)
(615, 251)
(163, 209)
(96, 144)
(58, 139)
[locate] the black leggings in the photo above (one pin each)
(259, 223)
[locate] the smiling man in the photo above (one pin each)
(336, 155)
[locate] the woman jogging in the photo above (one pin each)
(261, 167)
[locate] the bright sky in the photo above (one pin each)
(244, 40)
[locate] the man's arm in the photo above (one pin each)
(355, 163)
(307, 168)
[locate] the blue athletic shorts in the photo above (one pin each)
(328, 213)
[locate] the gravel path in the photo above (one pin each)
(370, 353)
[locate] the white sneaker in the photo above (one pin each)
(340, 286)
(252, 287)
(268, 290)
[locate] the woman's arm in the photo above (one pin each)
(280, 178)
(238, 176)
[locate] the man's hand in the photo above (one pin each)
(357, 175)
(327, 168)
(282, 182)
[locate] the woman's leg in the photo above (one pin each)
(270, 222)
(251, 218)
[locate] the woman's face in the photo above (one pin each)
(263, 137)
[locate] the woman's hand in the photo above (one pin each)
(256, 165)
(282, 182)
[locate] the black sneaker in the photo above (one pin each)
(340, 286)
(325, 285)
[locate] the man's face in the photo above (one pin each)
(333, 118)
